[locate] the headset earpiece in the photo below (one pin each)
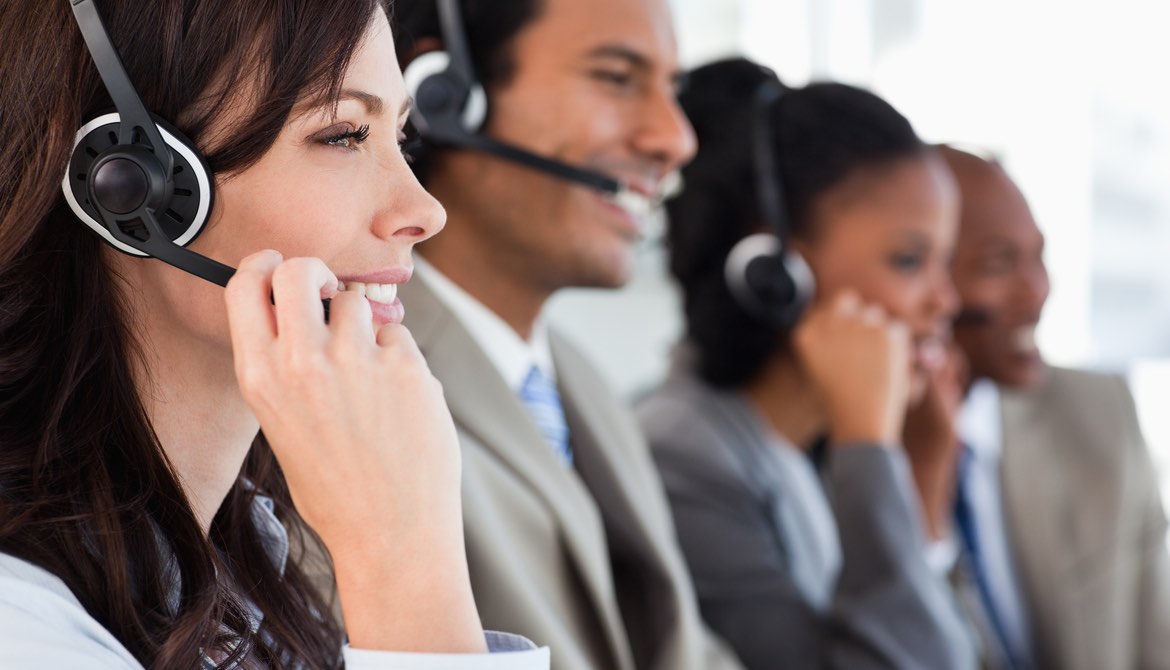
(766, 278)
(443, 100)
(123, 178)
(768, 281)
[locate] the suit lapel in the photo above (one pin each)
(484, 407)
(615, 463)
(602, 445)
(1045, 504)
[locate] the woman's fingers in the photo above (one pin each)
(249, 306)
(351, 320)
(298, 285)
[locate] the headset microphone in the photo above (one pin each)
(450, 107)
(132, 178)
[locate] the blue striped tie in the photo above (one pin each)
(544, 404)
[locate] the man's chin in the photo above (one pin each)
(1022, 375)
(612, 270)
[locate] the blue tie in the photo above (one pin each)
(968, 534)
(544, 404)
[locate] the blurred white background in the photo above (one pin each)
(1071, 95)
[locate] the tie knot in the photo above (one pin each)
(538, 385)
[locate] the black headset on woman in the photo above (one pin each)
(766, 277)
(133, 178)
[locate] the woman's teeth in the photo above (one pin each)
(383, 293)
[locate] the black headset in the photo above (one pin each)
(132, 178)
(767, 278)
(450, 105)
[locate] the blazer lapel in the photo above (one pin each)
(487, 409)
(617, 467)
(1050, 505)
(602, 447)
(1030, 489)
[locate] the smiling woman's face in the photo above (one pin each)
(888, 234)
(335, 185)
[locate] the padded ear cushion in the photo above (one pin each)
(768, 281)
(189, 207)
(440, 97)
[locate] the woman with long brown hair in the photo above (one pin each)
(152, 441)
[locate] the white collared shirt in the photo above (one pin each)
(511, 354)
(980, 427)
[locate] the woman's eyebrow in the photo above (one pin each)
(373, 103)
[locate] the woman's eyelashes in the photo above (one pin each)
(349, 138)
(346, 137)
(409, 142)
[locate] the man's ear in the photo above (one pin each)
(420, 47)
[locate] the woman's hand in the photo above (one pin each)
(932, 443)
(858, 360)
(367, 445)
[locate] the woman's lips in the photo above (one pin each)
(382, 296)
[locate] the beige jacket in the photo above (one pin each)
(582, 560)
(1086, 524)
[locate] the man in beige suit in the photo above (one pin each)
(1059, 516)
(568, 533)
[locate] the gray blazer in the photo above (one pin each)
(1086, 524)
(583, 560)
(885, 609)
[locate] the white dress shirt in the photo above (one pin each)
(511, 354)
(980, 427)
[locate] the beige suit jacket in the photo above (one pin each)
(1086, 523)
(583, 560)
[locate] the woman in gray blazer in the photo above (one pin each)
(779, 431)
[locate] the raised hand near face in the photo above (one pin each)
(369, 450)
(858, 360)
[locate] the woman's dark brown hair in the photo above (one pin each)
(86, 491)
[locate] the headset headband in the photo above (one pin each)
(455, 42)
(768, 186)
(443, 124)
(126, 99)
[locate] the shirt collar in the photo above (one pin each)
(512, 355)
(979, 423)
